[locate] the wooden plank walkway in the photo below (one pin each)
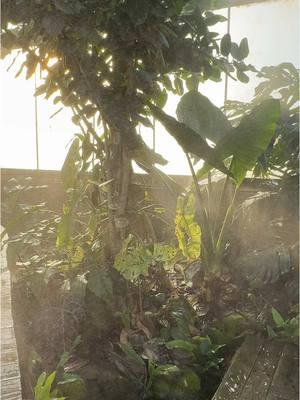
(10, 388)
(262, 370)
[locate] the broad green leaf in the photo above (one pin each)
(235, 51)
(244, 48)
(200, 114)
(42, 390)
(163, 253)
(279, 321)
(252, 137)
(212, 19)
(133, 263)
(188, 232)
(249, 140)
(49, 381)
(188, 139)
(226, 45)
(181, 345)
(39, 385)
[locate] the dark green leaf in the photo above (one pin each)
(235, 51)
(181, 344)
(188, 139)
(279, 321)
(249, 140)
(244, 49)
(212, 19)
(242, 77)
(226, 45)
(200, 114)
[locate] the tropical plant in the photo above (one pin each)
(134, 260)
(287, 329)
(241, 145)
(281, 156)
(59, 385)
(43, 389)
(125, 55)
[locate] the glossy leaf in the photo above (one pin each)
(200, 114)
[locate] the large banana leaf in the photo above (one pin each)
(188, 139)
(249, 140)
(201, 115)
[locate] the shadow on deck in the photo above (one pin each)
(262, 370)
(10, 388)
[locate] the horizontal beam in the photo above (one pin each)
(239, 3)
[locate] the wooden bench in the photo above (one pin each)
(262, 370)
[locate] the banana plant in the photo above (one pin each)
(235, 153)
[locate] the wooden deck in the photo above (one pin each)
(262, 370)
(10, 388)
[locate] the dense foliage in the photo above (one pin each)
(108, 59)
(116, 297)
